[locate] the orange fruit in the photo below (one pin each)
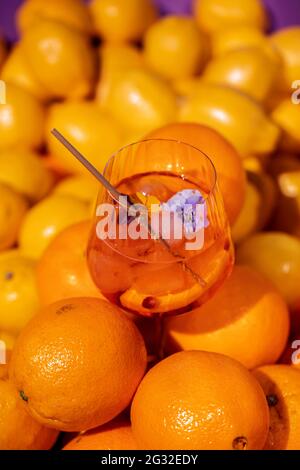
(118, 21)
(95, 133)
(78, 364)
(13, 208)
(62, 59)
(24, 171)
(18, 291)
(18, 430)
(73, 13)
(48, 218)
(277, 256)
(199, 400)
(214, 15)
(228, 164)
(116, 435)
(246, 319)
(17, 70)
(281, 385)
(70, 276)
(21, 119)
(166, 44)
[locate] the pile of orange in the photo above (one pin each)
(107, 74)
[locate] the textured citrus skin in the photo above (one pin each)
(116, 435)
(226, 160)
(199, 400)
(18, 431)
(247, 319)
(281, 384)
(78, 364)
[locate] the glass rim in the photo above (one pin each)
(209, 194)
(181, 142)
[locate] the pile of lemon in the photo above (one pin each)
(107, 74)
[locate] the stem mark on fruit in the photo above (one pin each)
(272, 400)
(240, 443)
(8, 276)
(65, 308)
(23, 396)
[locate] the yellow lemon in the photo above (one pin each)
(61, 58)
(235, 115)
(277, 256)
(213, 15)
(25, 172)
(287, 215)
(13, 208)
(247, 221)
(287, 117)
(249, 70)
(73, 13)
(175, 47)
(287, 42)
(115, 59)
(119, 20)
(141, 101)
(96, 134)
(289, 183)
(16, 70)
(185, 86)
(261, 198)
(242, 37)
(48, 218)
(21, 119)
(83, 187)
(18, 293)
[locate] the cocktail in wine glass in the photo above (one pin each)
(160, 244)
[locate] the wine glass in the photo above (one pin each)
(163, 246)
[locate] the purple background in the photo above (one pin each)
(283, 12)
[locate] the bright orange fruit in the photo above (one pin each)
(228, 164)
(281, 385)
(199, 400)
(62, 271)
(78, 363)
(116, 435)
(246, 319)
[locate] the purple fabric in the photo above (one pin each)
(283, 12)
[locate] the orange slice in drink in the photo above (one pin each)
(148, 305)
(160, 289)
